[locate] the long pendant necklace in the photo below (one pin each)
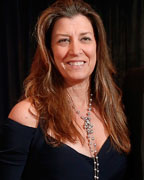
(90, 137)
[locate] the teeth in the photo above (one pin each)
(76, 63)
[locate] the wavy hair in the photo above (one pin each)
(45, 86)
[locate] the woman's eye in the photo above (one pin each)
(63, 41)
(85, 39)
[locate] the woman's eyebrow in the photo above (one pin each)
(61, 34)
(83, 33)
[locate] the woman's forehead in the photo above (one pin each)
(79, 23)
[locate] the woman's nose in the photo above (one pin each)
(75, 48)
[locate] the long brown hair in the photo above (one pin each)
(45, 86)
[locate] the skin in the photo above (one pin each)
(74, 48)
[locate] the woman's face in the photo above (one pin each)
(74, 48)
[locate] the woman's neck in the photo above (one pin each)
(79, 94)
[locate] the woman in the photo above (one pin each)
(70, 123)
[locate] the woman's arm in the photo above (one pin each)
(15, 139)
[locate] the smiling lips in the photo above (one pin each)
(76, 63)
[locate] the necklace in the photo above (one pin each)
(91, 140)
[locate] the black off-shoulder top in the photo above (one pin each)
(24, 154)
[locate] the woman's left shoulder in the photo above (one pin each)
(24, 113)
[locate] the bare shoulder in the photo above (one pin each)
(24, 113)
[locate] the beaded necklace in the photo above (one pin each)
(89, 130)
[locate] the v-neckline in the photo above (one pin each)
(79, 153)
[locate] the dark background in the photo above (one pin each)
(124, 24)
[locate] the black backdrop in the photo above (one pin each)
(124, 23)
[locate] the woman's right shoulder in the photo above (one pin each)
(24, 113)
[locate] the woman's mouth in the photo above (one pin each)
(76, 63)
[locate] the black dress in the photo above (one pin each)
(25, 155)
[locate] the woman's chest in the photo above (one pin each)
(64, 162)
